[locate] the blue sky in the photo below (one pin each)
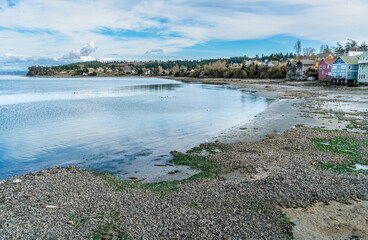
(43, 32)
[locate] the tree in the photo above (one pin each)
(351, 44)
(309, 51)
(339, 49)
(298, 48)
(364, 46)
(325, 49)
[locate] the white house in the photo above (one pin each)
(352, 52)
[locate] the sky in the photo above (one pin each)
(54, 32)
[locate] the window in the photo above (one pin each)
(324, 67)
(349, 66)
(349, 74)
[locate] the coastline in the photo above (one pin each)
(267, 163)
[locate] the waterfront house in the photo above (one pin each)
(305, 69)
(291, 69)
(352, 52)
(363, 68)
(325, 69)
(345, 70)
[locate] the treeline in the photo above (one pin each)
(220, 69)
(194, 68)
(74, 69)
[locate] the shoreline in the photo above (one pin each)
(258, 171)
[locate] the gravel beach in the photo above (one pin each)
(260, 182)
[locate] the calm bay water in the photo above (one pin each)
(123, 125)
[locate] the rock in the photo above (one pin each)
(51, 206)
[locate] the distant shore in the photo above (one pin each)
(253, 188)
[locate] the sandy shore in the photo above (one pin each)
(268, 181)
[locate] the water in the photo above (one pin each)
(361, 167)
(122, 125)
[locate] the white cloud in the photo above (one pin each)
(155, 51)
(11, 61)
(17, 57)
(51, 28)
(82, 54)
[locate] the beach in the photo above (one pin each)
(266, 179)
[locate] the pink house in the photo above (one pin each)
(325, 68)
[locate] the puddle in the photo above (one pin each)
(325, 143)
(205, 152)
(361, 167)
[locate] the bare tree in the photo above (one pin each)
(309, 51)
(298, 48)
(325, 49)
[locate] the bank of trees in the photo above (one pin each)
(217, 68)
(220, 69)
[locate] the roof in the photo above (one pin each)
(356, 50)
(350, 60)
(324, 55)
(363, 58)
(329, 61)
(307, 62)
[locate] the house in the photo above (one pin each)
(351, 52)
(344, 70)
(146, 71)
(236, 65)
(324, 55)
(325, 69)
(271, 63)
(256, 62)
(305, 69)
(363, 68)
(291, 69)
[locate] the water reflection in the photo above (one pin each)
(112, 125)
(247, 98)
(123, 91)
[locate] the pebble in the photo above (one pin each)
(202, 209)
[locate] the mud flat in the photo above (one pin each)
(269, 185)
